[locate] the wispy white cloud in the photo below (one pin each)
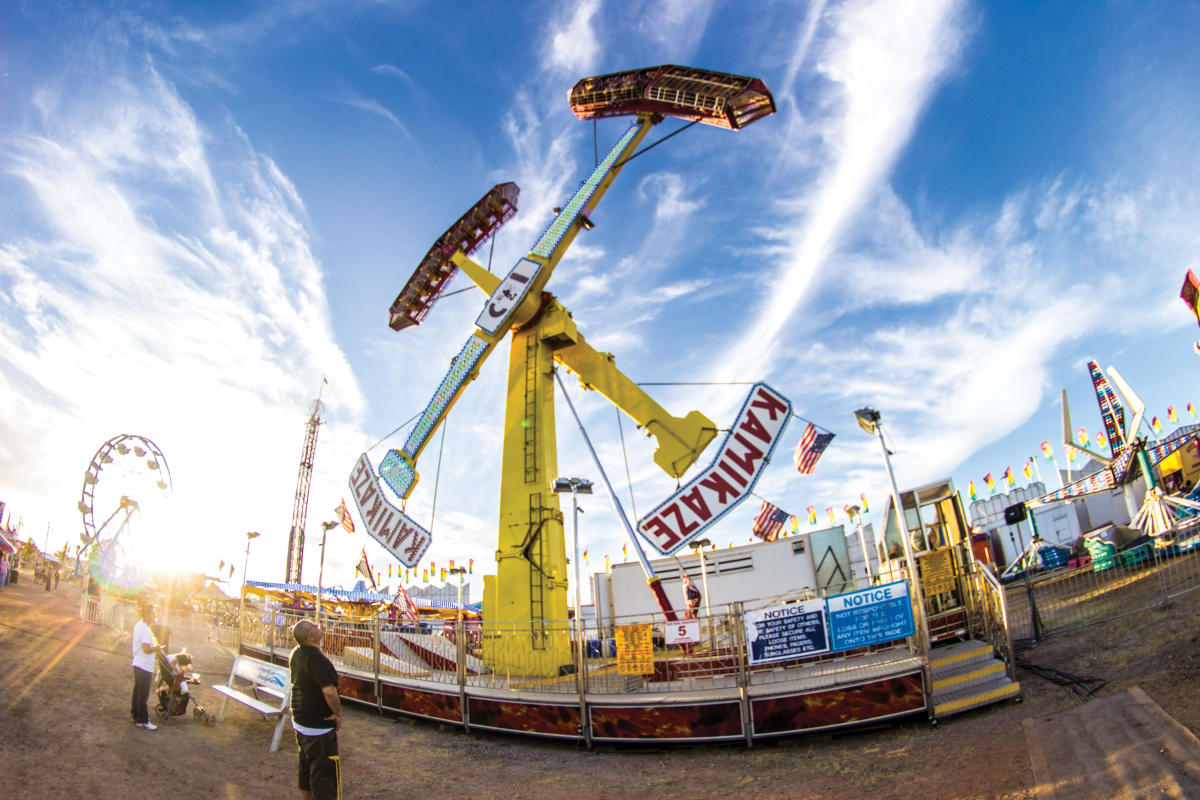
(372, 106)
(884, 59)
(391, 71)
(173, 282)
(574, 48)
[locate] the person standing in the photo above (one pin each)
(144, 648)
(316, 714)
(3, 569)
(691, 596)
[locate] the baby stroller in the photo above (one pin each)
(174, 678)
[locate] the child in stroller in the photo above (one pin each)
(174, 678)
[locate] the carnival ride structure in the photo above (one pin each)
(294, 568)
(1131, 456)
(133, 465)
(529, 590)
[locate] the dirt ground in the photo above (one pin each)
(65, 732)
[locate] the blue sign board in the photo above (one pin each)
(870, 616)
(790, 631)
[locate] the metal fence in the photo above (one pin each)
(205, 636)
(547, 658)
(1144, 576)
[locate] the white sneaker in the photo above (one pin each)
(150, 726)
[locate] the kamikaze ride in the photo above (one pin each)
(525, 602)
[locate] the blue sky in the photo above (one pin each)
(205, 208)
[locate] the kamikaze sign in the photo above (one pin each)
(388, 525)
(728, 480)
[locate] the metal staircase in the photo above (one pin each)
(967, 675)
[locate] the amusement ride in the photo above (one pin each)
(529, 590)
(127, 473)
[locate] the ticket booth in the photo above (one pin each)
(941, 545)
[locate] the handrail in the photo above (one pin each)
(997, 589)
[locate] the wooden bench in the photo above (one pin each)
(262, 686)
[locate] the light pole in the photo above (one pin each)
(576, 486)
(856, 513)
(325, 526)
(698, 545)
(250, 537)
(459, 571)
(869, 420)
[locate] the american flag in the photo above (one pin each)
(812, 445)
(769, 522)
(343, 516)
(406, 605)
(364, 568)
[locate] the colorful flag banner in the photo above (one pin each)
(1070, 454)
(1081, 434)
(1028, 470)
(832, 519)
(971, 490)
(990, 483)
(470, 566)
(1047, 450)
(865, 508)
(1156, 425)
(606, 562)
(769, 521)
(1191, 410)
(795, 526)
(812, 515)
(812, 445)
(1171, 415)
(343, 515)
(1008, 476)
(1101, 439)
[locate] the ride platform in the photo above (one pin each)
(713, 98)
(436, 269)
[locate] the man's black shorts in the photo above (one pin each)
(320, 768)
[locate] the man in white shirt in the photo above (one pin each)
(144, 648)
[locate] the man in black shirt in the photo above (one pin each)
(316, 715)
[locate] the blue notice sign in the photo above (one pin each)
(783, 632)
(870, 616)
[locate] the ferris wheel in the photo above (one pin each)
(128, 473)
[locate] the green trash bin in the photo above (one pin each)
(1103, 554)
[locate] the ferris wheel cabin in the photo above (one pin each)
(435, 269)
(714, 98)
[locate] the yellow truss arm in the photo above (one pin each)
(681, 440)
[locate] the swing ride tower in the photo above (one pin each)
(525, 601)
(295, 553)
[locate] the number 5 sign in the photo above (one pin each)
(684, 631)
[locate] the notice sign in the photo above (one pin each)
(684, 631)
(870, 616)
(791, 631)
(635, 650)
(728, 480)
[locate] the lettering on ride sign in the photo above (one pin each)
(508, 295)
(728, 480)
(388, 525)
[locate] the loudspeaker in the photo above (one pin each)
(1014, 514)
